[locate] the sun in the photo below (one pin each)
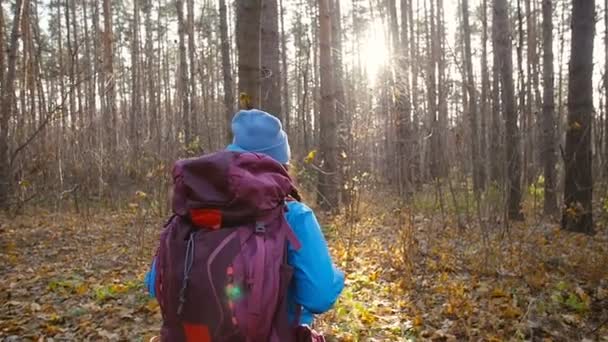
(375, 50)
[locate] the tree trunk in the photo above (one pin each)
(248, 14)
(431, 79)
(442, 98)
(193, 114)
(2, 49)
(271, 73)
(416, 159)
(226, 71)
(512, 140)
(496, 157)
(605, 166)
(109, 88)
(327, 179)
(485, 94)
(184, 93)
(578, 195)
(8, 97)
(135, 111)
(477, 172)
(549, 157)
(343, 128)
(284, 71)
(523, 119)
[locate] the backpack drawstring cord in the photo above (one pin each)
(187, 268)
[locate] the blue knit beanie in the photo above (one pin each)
(258, 131)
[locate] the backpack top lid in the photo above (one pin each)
(241, 185)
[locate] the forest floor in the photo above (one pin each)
(409, 277)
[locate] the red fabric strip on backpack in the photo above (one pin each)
(206, 218)
(196, 333)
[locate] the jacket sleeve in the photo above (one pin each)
(317, 281)
(150, 279)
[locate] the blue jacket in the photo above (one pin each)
(317, 283)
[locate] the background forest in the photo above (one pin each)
(446, 143)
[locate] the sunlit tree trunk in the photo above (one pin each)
(548, 152)
(416, 163)
(226, 70)
(328, 190)
(578, 195)
(342, 127)
(248, 14)
(270, 54)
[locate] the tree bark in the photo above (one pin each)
(248, 46)
(578, 213)
(271, 71)
(109, 88)
(605, 166)
(485, 93)
(184, 87)
(549, 157)
(8, 98)
(192, 76)
(284, 71)
(327, 179)
(226, 71)
(135, 111)
(496, 157)
(512, 140)
(477, 167)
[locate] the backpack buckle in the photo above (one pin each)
(260, 228)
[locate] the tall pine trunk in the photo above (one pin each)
(284, 71)
(184, 93)
(496, 157)
(548, 152)
(328, 190)
(109, 88)
(485, 93)
(578, 194)
(192, 75)
(477, 166)
(512, 141)
(226, 71)
(248, 14)
(7, 101)
(135, 111)
(271, 71)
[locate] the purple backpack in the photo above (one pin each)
(222, 270)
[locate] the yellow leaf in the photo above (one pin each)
(81, 289)
(510, 312)
(245, 101)
(499, 293)
(310, 157)
(417, 321)
(141, 194)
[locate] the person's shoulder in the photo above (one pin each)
(297, 209)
